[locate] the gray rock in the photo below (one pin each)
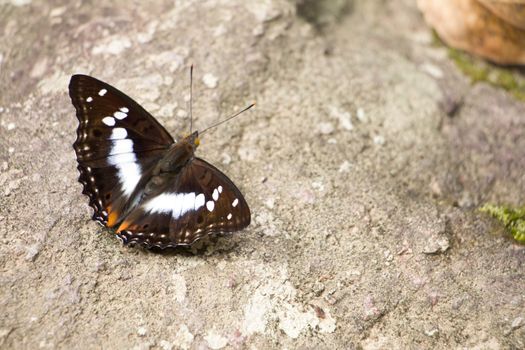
(393, 177)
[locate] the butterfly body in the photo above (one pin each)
(179, 154)
(150, 189)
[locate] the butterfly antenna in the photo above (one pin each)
(191, 99)
(225, 120)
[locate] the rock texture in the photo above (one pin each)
(364, 162)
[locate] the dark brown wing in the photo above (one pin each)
(200, 200)
(117, 141)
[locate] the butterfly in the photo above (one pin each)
(150, 189)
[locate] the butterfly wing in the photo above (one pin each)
(200, 200)
(117, 141)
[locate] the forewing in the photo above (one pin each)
(117, 141)
(201, 200)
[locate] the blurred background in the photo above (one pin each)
(383, 165)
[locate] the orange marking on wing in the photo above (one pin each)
(123, 226)
(112, 218)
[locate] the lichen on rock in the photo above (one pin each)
(512, 218)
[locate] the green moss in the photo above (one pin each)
(506, 78)
(512, 218)
(475, 71)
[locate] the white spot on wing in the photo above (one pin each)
(220, 188)
(120, 158)
(210, 205)
(124, 109)
(215, 195)
(109, 121)
(129, 175)
(118, 134)
(187, 204)
(89, 99)
(177, 204)
(102, 92)
(229, 216)
(120, 115)
(199, 201)
(235, 202)
(124, 146)
(123, 158)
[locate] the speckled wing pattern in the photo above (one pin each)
(119, 147)
(117, 141)
(199, 201)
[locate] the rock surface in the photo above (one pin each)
(364, 235)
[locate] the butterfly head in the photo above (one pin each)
(193, 140)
